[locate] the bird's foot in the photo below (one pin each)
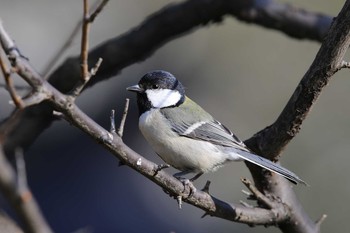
(188, 185)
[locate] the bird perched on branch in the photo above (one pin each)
(184, 135)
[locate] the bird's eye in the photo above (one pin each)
(155, 86)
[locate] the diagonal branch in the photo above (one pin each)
(20, 197)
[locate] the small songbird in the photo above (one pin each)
(184, 135)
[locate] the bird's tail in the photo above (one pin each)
(271, 166)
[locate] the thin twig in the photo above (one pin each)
(179, 201)
(250, 196)
(9, 84)
(87, 20)
(98, 9)
(85, 43)
(22, 183)
(84, 53)
(321, 220)
(122, 122)
(344, 64)
(35, 98)
(245, 204)
(112, 122)
(94, 69)
(80, 85)
(16, 87)
(61, 50)
(206, 187)
(259, 196)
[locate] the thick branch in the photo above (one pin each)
(139, 43)
(273, 139)
(328, 61)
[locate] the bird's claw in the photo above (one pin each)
(187, 185)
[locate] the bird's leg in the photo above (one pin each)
(196, 176)
(180, 174)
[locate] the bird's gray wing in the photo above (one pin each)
(211, 131)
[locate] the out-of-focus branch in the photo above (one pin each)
(65, 104)
(20, 197)
(8, 225)
(96, 9)
(293, 21)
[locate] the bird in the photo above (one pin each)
(186, 136)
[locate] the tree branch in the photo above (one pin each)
(273, 139)
(9, 84)
(122, 122)
(20, 197)
(85, 74)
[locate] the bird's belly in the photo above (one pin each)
(183, 153)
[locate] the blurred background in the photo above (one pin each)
(241, 73)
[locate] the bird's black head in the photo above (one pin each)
(158, 89)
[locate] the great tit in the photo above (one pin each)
(184, 135)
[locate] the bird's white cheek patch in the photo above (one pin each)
(161, 98)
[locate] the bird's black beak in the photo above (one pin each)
(135, 88)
